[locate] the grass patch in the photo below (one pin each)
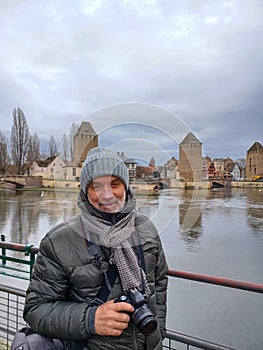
(3, 345)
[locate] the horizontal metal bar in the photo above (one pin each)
(15, 276)
(13, 269)
(226, 282)
(10, 332)
(197, 342)
(19, 247)
(16, 260)
(216, 280)
(12, 290)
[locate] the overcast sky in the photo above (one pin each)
(144, 73)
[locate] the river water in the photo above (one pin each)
(216, 232)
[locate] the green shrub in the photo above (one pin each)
(3, 345)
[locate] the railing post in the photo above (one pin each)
(3, 250)
(31, 258)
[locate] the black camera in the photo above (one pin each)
(142, 315)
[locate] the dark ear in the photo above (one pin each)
(128, 193)
(83, 196)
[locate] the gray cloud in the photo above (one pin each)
(62, 62)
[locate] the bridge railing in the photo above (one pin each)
(20, 264)
(28, 255)
(12, 299)
(11, 320)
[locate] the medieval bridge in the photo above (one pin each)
(21, 181)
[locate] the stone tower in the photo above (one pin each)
(190, 158)
(84, 140)
(254, 161)
(152, 164)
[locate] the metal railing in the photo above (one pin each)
(19, 266)
(12, 299)
(220, 281)
(11, 320)
(173, 338)
(11, 314)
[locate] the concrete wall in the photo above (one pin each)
(25, 181)
(189, 184)
(66, 184)
(247, 184)
(31, 182)
(138, 188)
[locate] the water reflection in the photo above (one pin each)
(190, 217)
(254, 211)
(220, 193)
(26, 216)
(4, 208)
(178, 213)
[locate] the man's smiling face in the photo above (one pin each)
(107, 193)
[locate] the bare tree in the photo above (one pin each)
(30, 156)
(73, 131)
(19, 139)
(241, 162)
(33, 152)
(52, 147)
(36, 146)
(43, 156)
(3, 153)
(142, 172)
(65, 147)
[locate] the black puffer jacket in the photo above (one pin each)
(66, 281)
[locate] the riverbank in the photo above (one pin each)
(247, 184)
(208, 184)
(139, 187)
(142, 187)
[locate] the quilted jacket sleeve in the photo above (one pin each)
(156, 268)
(47, 309)
(161, 282)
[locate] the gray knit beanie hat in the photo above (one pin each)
(101, 162)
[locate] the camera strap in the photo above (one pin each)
(141, 256)
(110, 278)
(111, 275)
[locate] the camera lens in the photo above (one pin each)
(144, 320)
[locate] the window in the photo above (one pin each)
(74, 172)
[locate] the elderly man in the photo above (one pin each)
(99, 280)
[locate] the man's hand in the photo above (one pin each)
(112, 318)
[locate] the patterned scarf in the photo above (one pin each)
(117, 237)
